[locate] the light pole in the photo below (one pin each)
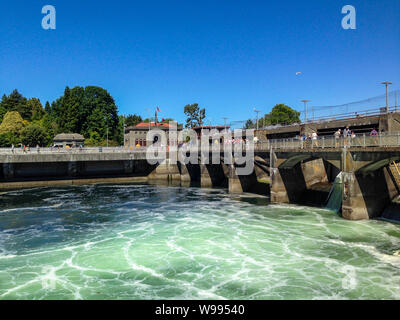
(305, 109)
(387, 83)
(257, 111)
(225, 118)
(123, 128)
(107, 128)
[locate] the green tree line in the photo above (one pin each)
(280, 114)
(90, 111)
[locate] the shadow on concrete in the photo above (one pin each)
(374, 191)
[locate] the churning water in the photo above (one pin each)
(150, 242)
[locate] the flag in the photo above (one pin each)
(158, 109)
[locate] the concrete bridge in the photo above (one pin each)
(290, 171)
(369, 183)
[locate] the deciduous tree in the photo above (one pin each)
(195, 115)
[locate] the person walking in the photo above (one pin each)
(314, 137)
(337, 137)
(374, 135)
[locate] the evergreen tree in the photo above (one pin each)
(34, 135)
(83, 110)
(132, 120)
(16, 102)
(36, 108)
(9, 139)
(47, 108)
(47, 124)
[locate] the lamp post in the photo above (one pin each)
(387, 83)
(225, 118)
(107, 128)
(257, 111)
(123, 128)
(305, 109)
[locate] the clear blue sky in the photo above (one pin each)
(229, 56)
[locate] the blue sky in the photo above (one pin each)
(228, 56)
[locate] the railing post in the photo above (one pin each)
(323, 142)
(364, 139)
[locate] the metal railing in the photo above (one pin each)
(325, 142)
(377, 111)
(18, 150)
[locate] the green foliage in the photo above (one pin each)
(16, 102)
(94, 139)
(168, 120)
(49, 126)
(132, 120)
(36, 109)
(3, 111)
(12, 122)
(83, 110)
(9, 139)
(195, 115)
(34, 135)
(282, 114)
(47, 108)
(250, 124)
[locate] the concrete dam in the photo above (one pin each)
(289, 172)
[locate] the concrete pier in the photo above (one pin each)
(298, 176)
(368, 184)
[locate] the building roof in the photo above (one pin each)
(212, 127)
(152, 124)
(146, 125)
(69, 137)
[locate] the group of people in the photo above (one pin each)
(346, 134)
(24, 148)
(27, 148)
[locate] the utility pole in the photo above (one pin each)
(305, 109)
(257, 111)
(124, 126)
(225, 118)
(107, 136)
(395, 101)
(387, 83)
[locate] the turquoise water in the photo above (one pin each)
(335, 195)
(149, 242)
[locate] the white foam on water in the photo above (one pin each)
(212, 246)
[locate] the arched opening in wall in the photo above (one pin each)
(379, 188)
(309, 180)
